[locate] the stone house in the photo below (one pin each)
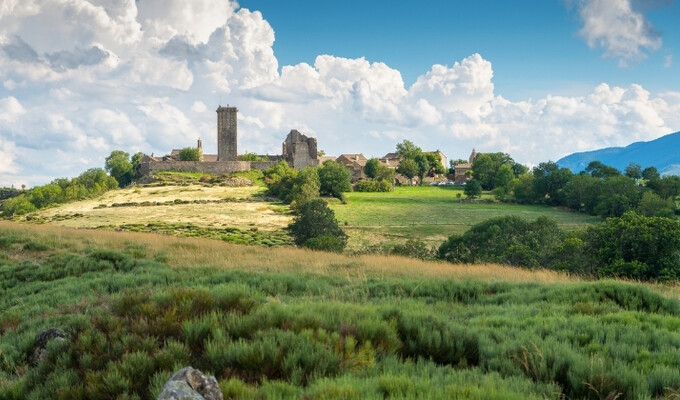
(355, 163)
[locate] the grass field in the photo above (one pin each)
(430, 213)
(243, 215)
(287, 323)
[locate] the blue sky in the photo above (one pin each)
(534, 45)
(538, 79)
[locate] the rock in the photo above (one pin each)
(40, 352)
(190, 384)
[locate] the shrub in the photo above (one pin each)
(315, 219)
(325, 243)
(415, 249)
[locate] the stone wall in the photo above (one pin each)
(215, 168)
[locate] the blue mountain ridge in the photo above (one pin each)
(662, 153)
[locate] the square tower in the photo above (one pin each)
(226, 133)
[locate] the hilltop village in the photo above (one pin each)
(298, 150)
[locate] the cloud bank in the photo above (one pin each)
(81, 78)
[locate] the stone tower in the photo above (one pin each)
(226, 133)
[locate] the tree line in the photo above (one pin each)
(119, 171)
(598, 190)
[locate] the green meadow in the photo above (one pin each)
(431, 214)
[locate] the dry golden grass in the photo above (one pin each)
(90, 214)
(195, 252)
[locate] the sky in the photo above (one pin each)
(538, 79)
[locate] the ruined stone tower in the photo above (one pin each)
(226, 133)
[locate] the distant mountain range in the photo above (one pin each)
(662, 153)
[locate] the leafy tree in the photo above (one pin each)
(137, 158)
(279, 179)
(315, 219)
(633, 170)
(305, 188)
(423, 165)
(408, 150)
(408, 168)
(190, 154)
(371, 167)
(473, 189)
(666, 187)
(504, 178)
(43, 196)
(386, 174)
(581, 193)
(519, 169)
(523, 189)
(18, 205)
(617, 195)
(596, 169)
(486, 166)
(435, 165)
(335, 179)
(549, 182)
(650, 174)
(118, 165)
(653, 205)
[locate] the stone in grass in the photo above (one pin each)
(190, 384)
(40, 352)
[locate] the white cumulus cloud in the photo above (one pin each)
(86, 77)
(624, 33)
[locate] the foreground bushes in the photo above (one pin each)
(130, 322)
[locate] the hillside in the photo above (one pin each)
(286, 323)
(661, 153)
(244, 215)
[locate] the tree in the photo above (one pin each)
(633, 170)
(118, 165)
(486, 165)
(280, 179)
(435, 165)
(473, 189)
(408, 150)
(423, 166)
(523, 188)
(315, 220)
(598, 170)
(666, 187)
(305, 188)
(653, 205)
(504, 178)
(650, 174)
(190, 154)
(408, 168)
(335, 179)
(549, 181)
(371, 167)
(617, 195)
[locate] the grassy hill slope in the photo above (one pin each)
(285, 323)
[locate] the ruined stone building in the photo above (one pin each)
(299, 151)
